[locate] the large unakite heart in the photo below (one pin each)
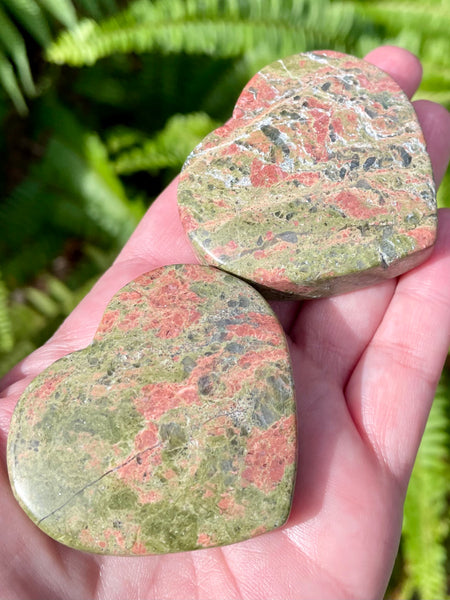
(174, 430)
(319, 184)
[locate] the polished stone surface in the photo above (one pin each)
(319, 184)
(174, 430)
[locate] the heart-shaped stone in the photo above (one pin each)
(319, 184)
(174, 430)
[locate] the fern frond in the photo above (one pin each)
(71, 193)
(102, 194)
(6, 336)
(37, 206)
(13, 43)
(18, 352)
(168, 148)
(425, 527)
(437, 75)
(214, 27)
(62, 10)
(54, 299)
(108, 6)
(29, 14)
(421, 17)
(9, 82)
(42, 302)
(421, 27)
(97, 9)
(36, 313)
(61, 294)
(85, 176)
(443, 196)
(437, 49)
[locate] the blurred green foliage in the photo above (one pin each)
(102, 100)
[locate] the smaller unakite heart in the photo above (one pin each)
(319, 184)
(174, 430)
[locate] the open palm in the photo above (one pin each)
(366, 365)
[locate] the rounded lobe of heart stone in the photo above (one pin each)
(174, 430)
(320, 183)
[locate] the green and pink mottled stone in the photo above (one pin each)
(174, 430)
(319, 184)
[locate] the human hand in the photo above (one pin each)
(366, 365)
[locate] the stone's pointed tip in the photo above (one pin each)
(318, 185)
(175, 431)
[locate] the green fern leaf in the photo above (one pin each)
(13, 43)
(213, 27)
(421, 27)
(31, 17)
(62, 10)
(61, 293)
(97, 9)
(11, 86)
(108, 6)
(103, 198)
(427, 17)
(42, 302)
(36, 313)
(72, 193)
(425, 526)
(6, 336)
(443, 196)
(20, 351)
(54, 299)
(168, 148)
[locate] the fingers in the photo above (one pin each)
(390, 392)
(401, 65)
(435, 122)
(332, 333)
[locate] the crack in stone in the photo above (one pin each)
(124, 464)
(91, 483)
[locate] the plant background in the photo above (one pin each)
(100, 103)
